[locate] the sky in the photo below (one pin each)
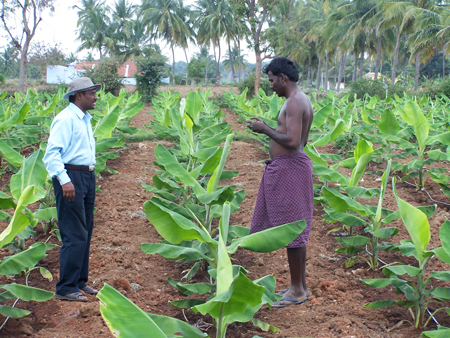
(60, 28)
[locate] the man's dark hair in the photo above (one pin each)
(72, 98)
(282, 65)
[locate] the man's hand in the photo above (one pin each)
(68, 191)
(256, 124)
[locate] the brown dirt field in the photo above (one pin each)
(335, 308)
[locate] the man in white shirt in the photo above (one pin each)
(70, 161)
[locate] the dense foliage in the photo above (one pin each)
(106, 74)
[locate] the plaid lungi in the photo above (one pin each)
(285, 195)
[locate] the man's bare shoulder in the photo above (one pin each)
(299, 103)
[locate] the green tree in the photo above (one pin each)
(30, 14)
(95, 30)
(167, 19)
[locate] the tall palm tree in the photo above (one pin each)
(215, 22)
(167, 19)
(94, 26)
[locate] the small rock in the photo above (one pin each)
(142, 146)
(123, 283)
(90, 310)
(134, 286)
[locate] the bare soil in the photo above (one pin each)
(335, 308)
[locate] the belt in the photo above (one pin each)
(79, 167)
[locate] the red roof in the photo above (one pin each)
(132, 69)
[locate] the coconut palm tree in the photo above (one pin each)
(167, 19)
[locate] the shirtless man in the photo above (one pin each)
(286, 191)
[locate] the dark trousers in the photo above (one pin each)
(76, 221)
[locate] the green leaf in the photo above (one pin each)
(353, 240)
(174, 227)
(46, 214)
(32, 172)
(125, 319)
(264, 326)
(190, 289)
(19, 221)
(419, 122)
(402, 269)
(441, 332)
(174, 168)
(380, 304)
(321, 115)
(28, 293)
(444, 234)
(442, 293)
(27, 259)
(363, 153)
(377, 282)
(349, 250)
(441, 275)
(342, 203)
(105, 126)
(10, 154)
(270, 239)
(13, 312)
(214, 180)
(385, 232)
(416, 223)
(193, 106)
(186, 303)
(388, 123)
(347, 219)
(173, 251)
(329, 174)
(333, 135)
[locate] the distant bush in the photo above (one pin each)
(149, 76)
(437, 87)
(106, 74)
(2, 79)
(362, 86)
(249, 82)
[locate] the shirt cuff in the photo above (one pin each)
(63, 178)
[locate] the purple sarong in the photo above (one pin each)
(285, 195)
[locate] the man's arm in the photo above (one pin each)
(293, 125)
(58, 142)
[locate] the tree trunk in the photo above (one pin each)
(206, 70)
(325, 81)
(443, 64)
(308, 83)
(303, 73)
(239, 61)
(101, 54)
(187, 62)
(258, 71)
(22, 71)
(377, 64)
(355, 65)
(217, 67)
(341, 71)
(231, 63)
(319, 75)
(405, 63)
(312, 77)
(394, 62)
(361, 66)
(416, 77)
(173, 64)
(335, 70)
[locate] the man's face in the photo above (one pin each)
(88, 99)
(275, 83)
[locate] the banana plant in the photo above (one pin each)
(236, 298)
(417, 288)
(24, 261)
(425, 150)
(126, 320)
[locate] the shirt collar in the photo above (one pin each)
(78, 111)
